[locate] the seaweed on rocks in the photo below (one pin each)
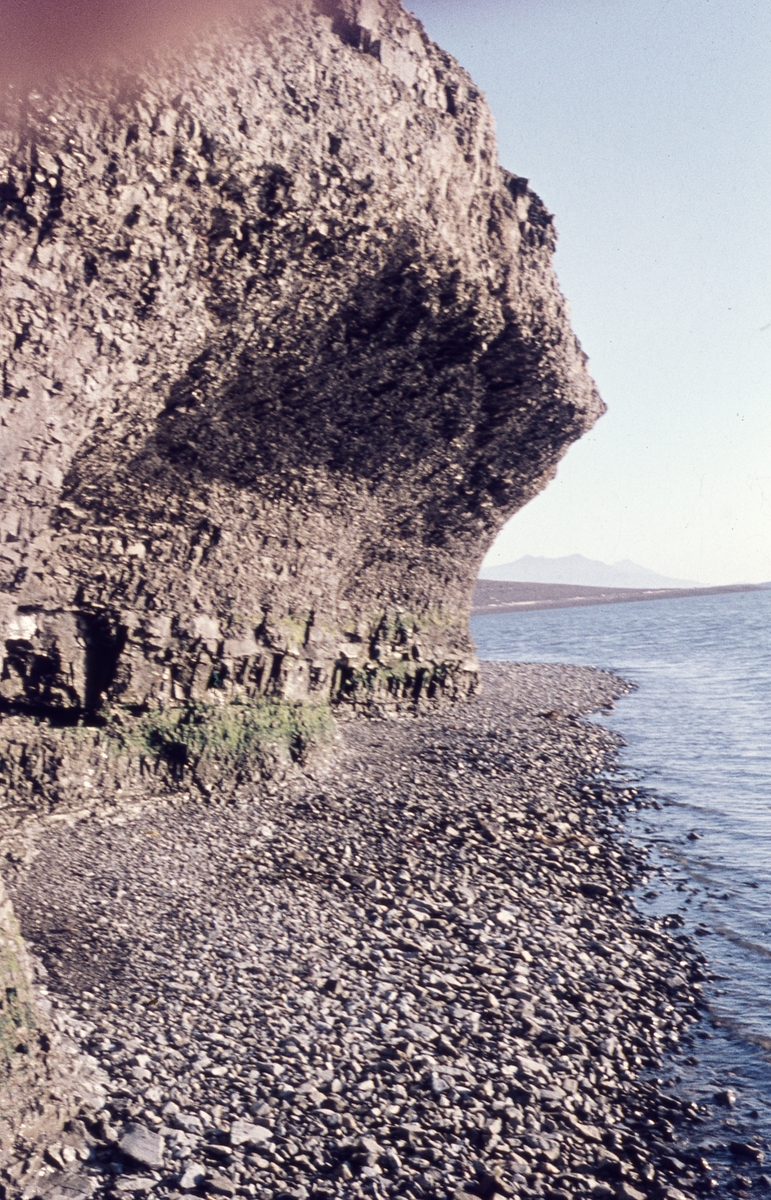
(416, 973)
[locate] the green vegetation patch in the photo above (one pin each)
(231, 737)
(17, 1023)
(405, 680)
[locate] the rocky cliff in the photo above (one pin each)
(282, 349)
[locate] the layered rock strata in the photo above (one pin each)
(282, 349)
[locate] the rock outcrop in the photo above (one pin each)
(43, 1078)
(282, 349)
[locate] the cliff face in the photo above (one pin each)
(282, 350)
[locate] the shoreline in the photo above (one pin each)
(496, 596)
(416, 973)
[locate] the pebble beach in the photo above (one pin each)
(415, 971)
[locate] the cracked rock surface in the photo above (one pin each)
(282, 349)
(416, 974)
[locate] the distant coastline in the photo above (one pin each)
(579, 571)
(496, 596)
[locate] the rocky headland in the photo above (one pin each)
(282, 349)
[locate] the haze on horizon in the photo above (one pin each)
(644, 128)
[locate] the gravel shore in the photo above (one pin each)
(415, 973)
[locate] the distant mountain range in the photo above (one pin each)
(583, 572)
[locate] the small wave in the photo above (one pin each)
(746, 943)
(738, 1029)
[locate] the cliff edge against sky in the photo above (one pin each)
(282, 350)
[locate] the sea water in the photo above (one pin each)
(697, 730)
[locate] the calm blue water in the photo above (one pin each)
(698, 733)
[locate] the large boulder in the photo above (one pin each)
(283, 348)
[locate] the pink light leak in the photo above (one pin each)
(40, 39)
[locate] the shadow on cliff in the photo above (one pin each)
(398, 394)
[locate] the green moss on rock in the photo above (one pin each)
(226, 737)
(404, 684)
(17, 1020)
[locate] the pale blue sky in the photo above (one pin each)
(645, 126)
